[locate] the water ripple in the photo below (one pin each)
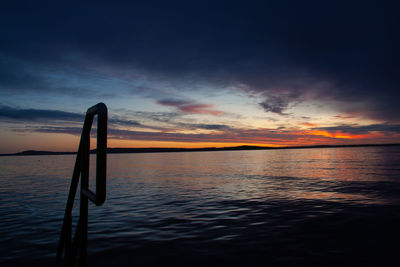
(315, 207)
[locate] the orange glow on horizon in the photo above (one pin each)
(259, 137)
(343, 135)
(143, 144)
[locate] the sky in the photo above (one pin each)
(200, 73)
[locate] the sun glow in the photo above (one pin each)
(342, 135)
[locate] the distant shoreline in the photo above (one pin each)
(168, 150)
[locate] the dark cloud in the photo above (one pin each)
(163, 117)
(345, 51)
(26, 115)
(362, 129)
(39, 116)
(275, 105)
(174, 120)
(51, 129)
(122, 122)
(174, 102)
(220, 127)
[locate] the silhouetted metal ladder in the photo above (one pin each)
(82, 170)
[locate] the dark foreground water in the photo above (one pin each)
(300, 207)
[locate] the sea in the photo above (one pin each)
(289, 207)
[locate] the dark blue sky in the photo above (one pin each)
(275, 61)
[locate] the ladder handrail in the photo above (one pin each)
(81, 169)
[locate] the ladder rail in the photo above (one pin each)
(81, 170)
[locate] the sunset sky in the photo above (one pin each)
(200, 73)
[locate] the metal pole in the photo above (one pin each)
(84, 187)
(81, 170)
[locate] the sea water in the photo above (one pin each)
(294, 207)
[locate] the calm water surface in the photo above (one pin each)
(299, 207)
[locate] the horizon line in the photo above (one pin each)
(127, 150)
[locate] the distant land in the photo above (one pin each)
(161, 149)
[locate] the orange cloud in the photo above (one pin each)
(308, 124)
(341, 134)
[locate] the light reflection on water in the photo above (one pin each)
(203, 198)
(301, 173)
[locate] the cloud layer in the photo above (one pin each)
(190, 106)
(285, 51)
(54, 121)
(164, 60)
